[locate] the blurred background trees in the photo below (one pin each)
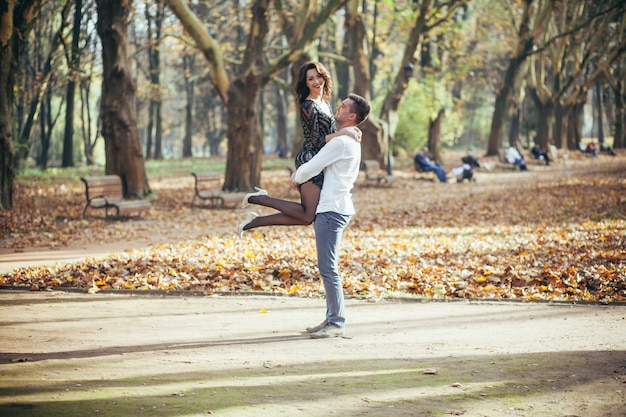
(210, 78)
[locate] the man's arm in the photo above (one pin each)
(330, 153)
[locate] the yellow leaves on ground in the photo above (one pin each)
(521, 237)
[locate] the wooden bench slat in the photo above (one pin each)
(208, 187)
(373, 173)
(105, 192)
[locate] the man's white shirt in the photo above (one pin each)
(340, 159)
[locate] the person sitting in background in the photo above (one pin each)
(466, 171)
(425, 164)
(607, 149)
(514, 157)
(539, 154)
(591, 148)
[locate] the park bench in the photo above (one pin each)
(105, 192)
(373, 173)
(208, 187)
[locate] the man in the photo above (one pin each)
(340, 159)
(514, 157)
(538, 153)
(425, 164)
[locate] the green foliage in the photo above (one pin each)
(421, 102)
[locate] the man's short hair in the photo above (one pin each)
(360, 106)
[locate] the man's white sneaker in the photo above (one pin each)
(316, 328)
(251, 216)
(327, 331)
(259, 191)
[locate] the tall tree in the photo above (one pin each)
(155, 123)
(91, 51)
(189, 61)
(529, 27)
(73, 71)
(39, 76)
(17, 18)
(568, 64)
(374, 146)
(616, 77)
(427, 15)
(241, 92)
(124, 155)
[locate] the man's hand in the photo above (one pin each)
(293, 182)
(352, 131)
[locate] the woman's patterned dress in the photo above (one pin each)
(316, 124)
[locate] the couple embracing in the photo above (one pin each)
(327, 167)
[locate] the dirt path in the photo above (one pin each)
(111, 355)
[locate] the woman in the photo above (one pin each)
(313, 90)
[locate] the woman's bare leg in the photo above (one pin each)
(291, 213)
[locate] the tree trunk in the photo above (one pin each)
(561, 120)
(17, 18)
(434, 135)
(282, 107)
(575, 126)
(502, 104)
(155, 127)
(118, 112)
(74, 67)
(545, 114)
(40, 87)
(149, 129)
(7, 82)
(245, 143)
(209, 120)
(526, 42)
(86, 117)
(514, 125)
(546, 118)
(45, 130)
(389, 109)
(158, 132)
(600, 112)
(189, 95)
(619, 141)
(375, 144)
(243, 132)
(7, 152)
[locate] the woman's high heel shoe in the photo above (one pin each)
(245, 203)
(251, 216)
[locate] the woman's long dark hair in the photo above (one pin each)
(302, 91)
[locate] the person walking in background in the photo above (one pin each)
(313, 91)
(340, 161)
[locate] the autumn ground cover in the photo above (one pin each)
(553, 233)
